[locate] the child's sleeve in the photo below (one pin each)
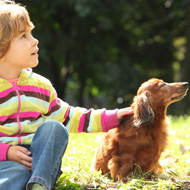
(77, 119)
(3, 151)
(82, 120)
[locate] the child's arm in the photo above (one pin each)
(77, 119)
(102, 120)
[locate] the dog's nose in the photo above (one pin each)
(186, 84)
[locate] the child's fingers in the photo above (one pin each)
(28, 165)
(124, 111)
(24, 150)
(26, 160)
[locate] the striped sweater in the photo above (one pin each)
(30, 101)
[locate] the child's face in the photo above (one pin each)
(22, 52)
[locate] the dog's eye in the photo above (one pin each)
(163, 84)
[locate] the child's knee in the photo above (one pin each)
(56, 129)
(61, 130)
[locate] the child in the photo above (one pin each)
(33, 121)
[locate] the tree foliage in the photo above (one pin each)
(92, 49)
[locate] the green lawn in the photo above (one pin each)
(77, 162)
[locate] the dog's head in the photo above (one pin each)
(155, 95)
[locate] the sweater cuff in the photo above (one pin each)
(109, 120)
(3, 151)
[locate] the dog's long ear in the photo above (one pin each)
(143, 113)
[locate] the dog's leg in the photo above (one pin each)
(120, 166)
(148, 160)
(108, 147)
(100, 162)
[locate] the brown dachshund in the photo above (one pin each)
(141, 138)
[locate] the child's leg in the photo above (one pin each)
(48, 147)
(13, 176)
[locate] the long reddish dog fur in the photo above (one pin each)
(142, 136)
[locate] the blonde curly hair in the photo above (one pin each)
(11, 16)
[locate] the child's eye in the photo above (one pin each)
(23, 36)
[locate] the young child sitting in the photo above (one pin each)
(34, 122)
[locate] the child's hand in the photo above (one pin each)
(21, 155)
(124, 111)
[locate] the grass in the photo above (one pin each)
(78, 159)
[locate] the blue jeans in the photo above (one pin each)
(48, 147)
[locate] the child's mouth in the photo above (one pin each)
(34, 54)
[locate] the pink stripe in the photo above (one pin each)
(21, 114)
(3, 150)
(4, 135)
(53, 103)
(67, 113)
(19, 105)
(19, 140)
(20, 135)
(34, 89)
(6, 92)
(26, 88)
(109, 119)
(81, 123)
(29, 114)
(4, 118)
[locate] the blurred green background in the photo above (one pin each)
(98, 52)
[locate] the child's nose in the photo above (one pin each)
(35, 41)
